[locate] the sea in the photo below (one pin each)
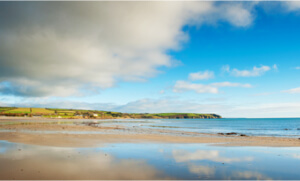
(278, 127)
(285, 127)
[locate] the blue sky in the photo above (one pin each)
(231, 58)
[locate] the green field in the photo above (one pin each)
(27, 110)
(77, 113)
(3, 109)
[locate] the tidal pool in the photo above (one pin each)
(148, 161)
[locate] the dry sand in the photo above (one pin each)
(115, 134)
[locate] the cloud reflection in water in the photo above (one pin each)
(32, 162)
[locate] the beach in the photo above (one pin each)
(72, 134)
(149, 90)
(54, 149)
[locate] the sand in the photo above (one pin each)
(33, 134)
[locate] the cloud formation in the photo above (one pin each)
(183, 86)
(292, 5)
(292, 91)
(223, 107)
(230, 84)
(256, 71)
(213, 88)
(201, 75)
(266, 110)
(138, 106)
(75, 48)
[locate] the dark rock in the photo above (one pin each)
(243, 135)
(286, 129)
(93, 124)
(232, 133)
(298, 128)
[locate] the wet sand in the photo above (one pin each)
(33, 134)
(56, 127)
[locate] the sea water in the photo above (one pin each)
(280, 127)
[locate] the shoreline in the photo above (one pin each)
(72, 134)
(94, 140)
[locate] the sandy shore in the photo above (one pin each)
(33, 134)
(56, 127)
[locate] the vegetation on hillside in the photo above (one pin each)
(78, 113)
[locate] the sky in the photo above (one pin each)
(236, 59)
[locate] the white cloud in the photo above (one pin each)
(292, 5)
(77, 48)
(230, 84)
(292, 91)
(226, 68)
(238, 15)
(183, 86)
(297, 68)
(170, 105)
(201, 75)
(265, 110)
(263, 94)
(256, 71)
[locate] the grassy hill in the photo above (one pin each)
(30, 110)
(78, 113)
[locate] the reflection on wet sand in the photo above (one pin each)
(296, 156)
(27, 162)
(200, 170)
(248, 175)
(203, 171)
(146, 161)
(208, 172)
(213, 155)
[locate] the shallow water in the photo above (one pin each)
(280, 127)
(148, 161)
